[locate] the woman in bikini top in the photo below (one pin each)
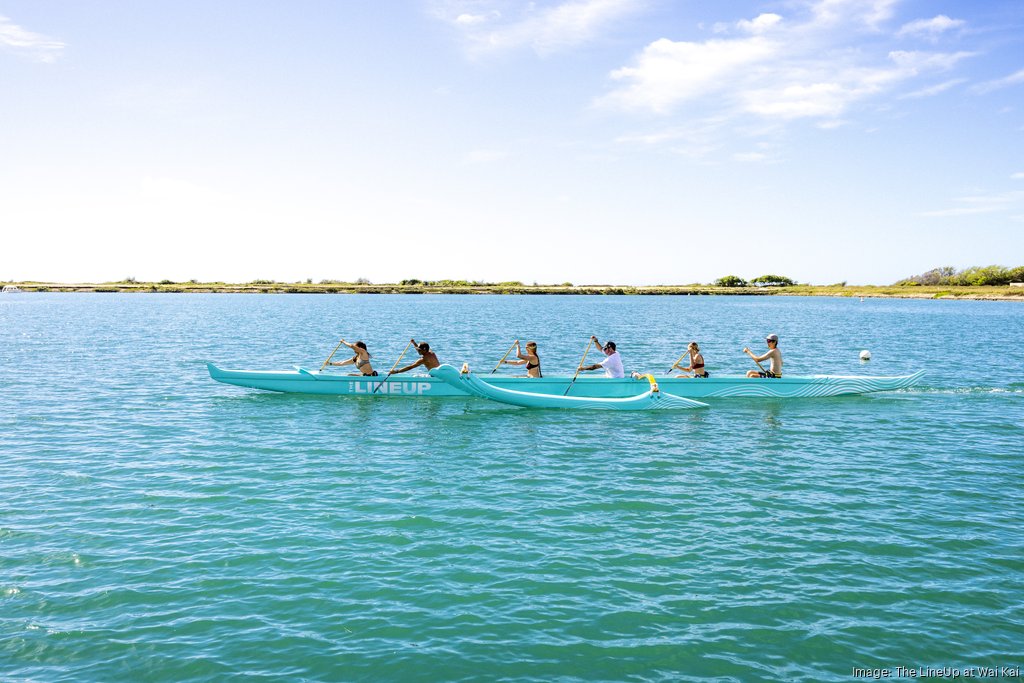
(361, 360)
(696, 365)
(530, 359)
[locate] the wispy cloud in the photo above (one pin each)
(869, 13)
(490, 26)
(930, 29)
(1017, 176)
(999, 83)
(984, 202)
(813, 67)
(934, 89)
(695, 140)
(32, 45)
(750, 157)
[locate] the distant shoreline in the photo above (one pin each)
(265, 287)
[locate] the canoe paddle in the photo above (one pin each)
(579, 367)
(505, 356)
(677, 361)
(392, 368)
(332, 354)
(755, 361)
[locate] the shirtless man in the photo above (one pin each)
(773, 354)
(428, 358)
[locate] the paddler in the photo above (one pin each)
(612, 364)
(428, 358)
(696, 365)
(361, 360)
(530, 359)
(773, 354)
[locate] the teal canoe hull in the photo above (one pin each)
(646, 400)
(304, 381)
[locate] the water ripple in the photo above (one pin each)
(157, 526)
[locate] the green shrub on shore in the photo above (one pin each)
(772, 281)
(975, 276)
(730, 281)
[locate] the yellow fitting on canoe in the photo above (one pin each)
(654, 382)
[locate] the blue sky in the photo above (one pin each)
(591, 141)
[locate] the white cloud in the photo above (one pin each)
(33, 45)
(750, 157)
(545, 30)
(470, 19)
(980, 203)
(695, 140)
(760, 24)
(989, 86)
(930, 28)
(832, 124)
(1017, 176)
(935, 89)
(959, 211)
(817, 68)
(869, 13)
(669, 72)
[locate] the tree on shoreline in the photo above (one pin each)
(730, 281)
(772, 281)
(976, 276)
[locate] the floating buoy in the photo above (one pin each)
(865, 355)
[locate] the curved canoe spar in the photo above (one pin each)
(652, 399)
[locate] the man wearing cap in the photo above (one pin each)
(612, 364)
(773, 354)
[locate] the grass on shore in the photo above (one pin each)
(331, 287)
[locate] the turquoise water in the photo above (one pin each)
(158, 526)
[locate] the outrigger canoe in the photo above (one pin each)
(652, 399)
(304, 381)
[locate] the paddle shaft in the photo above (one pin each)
(406, 349)
(756, 363)
(505, 356)
(332, 354)
(677, 361)
(579, 367)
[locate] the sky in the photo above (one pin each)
(585, 141)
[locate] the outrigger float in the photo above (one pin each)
(652, 399)
(305, 381)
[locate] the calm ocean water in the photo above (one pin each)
(158, 526)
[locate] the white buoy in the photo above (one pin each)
(865, 355)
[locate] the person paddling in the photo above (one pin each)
(773, 354)
(696, 365)
(530, 359)
(428, 358)
(361, 360)
(612, 364)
